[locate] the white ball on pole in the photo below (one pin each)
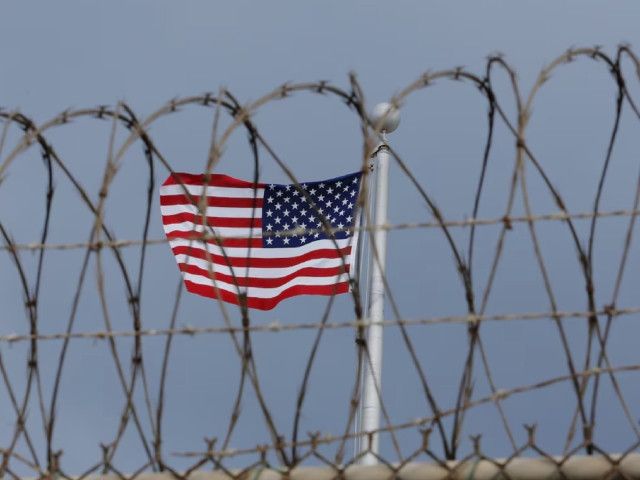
(390, 114)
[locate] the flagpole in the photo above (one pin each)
(390, 118)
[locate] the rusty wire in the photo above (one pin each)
(28, 449)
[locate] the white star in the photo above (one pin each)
(340, 225)
(269, 213)
(338, 184)
(294, 204)
(337, 196)
(321, 185)
(312, 191)
(329, 190)
(352, 192)
(279, 193)
(303, 212)
(316, 235)
(286, 213)
(336, 209)
(346, 187)
(329, 203)
(269, 227)
(270, 200)
(278, 220)
(286, 240)
(294, 219)
(272, 186)
(341, 212)
(355, 180)
(278, 206)
(349, 218)
(296, 192)
(303, 226)
(350, 205)
(302, 239)
(269, 241)
(344, 201)
(321, 197)
(286, 226)
(287, 199)
(288, 187)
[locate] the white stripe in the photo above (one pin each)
(259, 252)
(259, 292)
(232, 192)
(242, 272)
(227, 212)
(224, 232)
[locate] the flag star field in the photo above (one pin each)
(295, 215)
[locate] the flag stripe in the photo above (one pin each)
(195, 218)
(259, 280)
(267, 303)
(197, 231)
(259, 292)
(211, 201)
(259, 256)
(233, 212)
(212, 191)
(253, 270)
(214, 179)
(220, 244)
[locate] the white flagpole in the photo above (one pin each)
(390, 118)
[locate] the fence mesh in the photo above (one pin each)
(512, 312)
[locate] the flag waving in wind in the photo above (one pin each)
(233, 238)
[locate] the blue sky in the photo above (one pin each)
(72, 55)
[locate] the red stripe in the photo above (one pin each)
(223, 242)
(264, 282)
(196, 252)
(268, 303)
(214, 180)
(213, 221)
(166, 200)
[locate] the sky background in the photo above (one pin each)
(73, 55)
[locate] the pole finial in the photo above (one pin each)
(386, 113)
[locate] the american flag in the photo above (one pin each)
(236, 240)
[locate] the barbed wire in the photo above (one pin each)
(509, 221)
(34, 445)
(277, 326)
